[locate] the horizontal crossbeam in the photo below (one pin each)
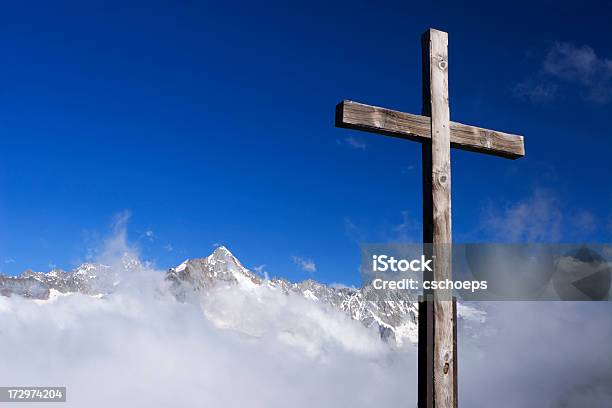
(358, 116)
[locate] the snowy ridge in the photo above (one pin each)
(88, 278)
(395, 320)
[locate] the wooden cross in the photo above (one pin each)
(437, 371)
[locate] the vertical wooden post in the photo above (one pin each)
(437, 316)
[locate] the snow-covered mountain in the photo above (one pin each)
(88, 278)
(395, 319)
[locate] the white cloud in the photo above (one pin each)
(540, 217)
(569, 64)
(538, 354)
(169, 247)
(406, 231)
(149, 234)
(139, 347)
(536, 92)
(120, 221)
(147, 350)
(306, 265)
(408, 169)
(536, 218)
(261, 271)
(353, 231)
(576, 63)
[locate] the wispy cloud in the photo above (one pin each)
(353, 142)
(536, 92)
(9, 260)
(539, 217)
(261, 271)
(535, 218)
(353, 231)
(408, 169)
(115, 245)
(576, 63)
(566, 64)
(120, 221)
(407, 230)
(169, 247)
(307, 265)
(149, 234)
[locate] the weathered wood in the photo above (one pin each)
(443, 342)
(358, 116)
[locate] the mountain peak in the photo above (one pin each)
(221, 252)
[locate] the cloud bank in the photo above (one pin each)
(241, 347)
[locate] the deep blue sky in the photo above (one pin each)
(213, 123)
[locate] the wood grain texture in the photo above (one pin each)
(443, 364)
(359, 116)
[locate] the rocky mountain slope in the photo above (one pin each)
(395, 319)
